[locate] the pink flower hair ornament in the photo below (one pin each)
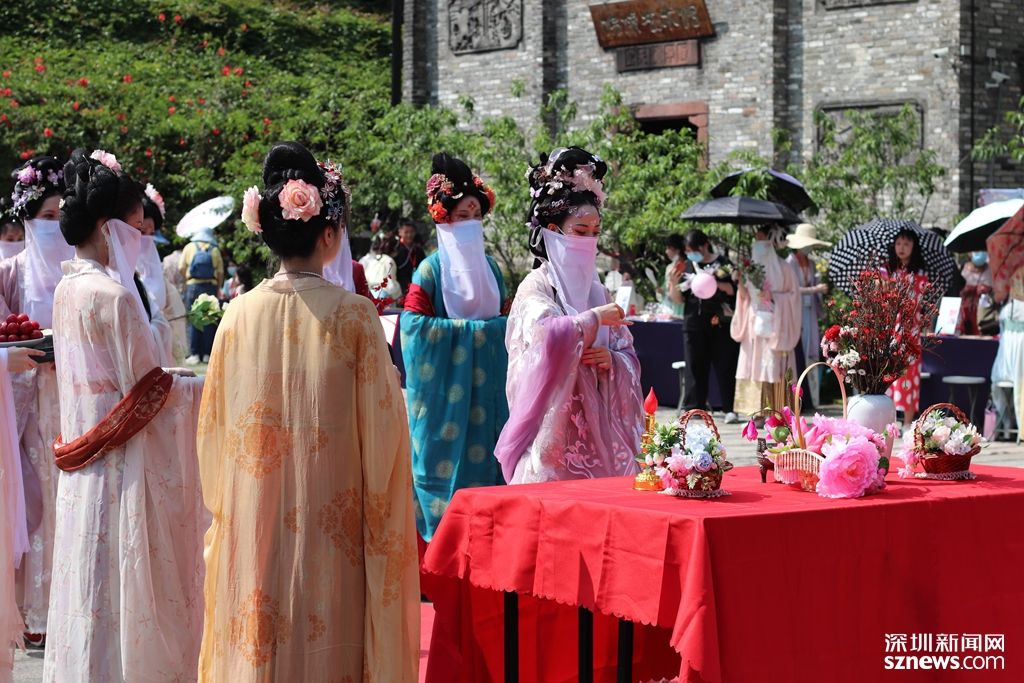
(107, 159)
(251, 210)
(300, 201)
(156, 198)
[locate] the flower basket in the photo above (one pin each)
(936, 462)
(697, 470)
(833, 457)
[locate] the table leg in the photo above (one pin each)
(625, 665)
(511, 637)
(586, 646)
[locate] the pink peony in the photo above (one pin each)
(107, 159)
(850, 468)
(251, 210)
(27, 176)
(300, 201)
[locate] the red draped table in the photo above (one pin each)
(768, 584)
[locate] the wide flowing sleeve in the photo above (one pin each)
(136, 351)
(212, 415)
(545, 347)
(391, 628)
(788, 318)
(739, 328)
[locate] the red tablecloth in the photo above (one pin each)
(768, 584)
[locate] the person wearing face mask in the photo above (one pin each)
(453, 332)
(12, 232)
(706, 323)
(812, 303)
(304, 456)
(129, 515)
(202, 268)
(574, 378)
(163, 295)
(131, 249)
(27, 283)
(976, 305)
(767, 326)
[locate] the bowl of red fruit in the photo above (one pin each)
(18, 330)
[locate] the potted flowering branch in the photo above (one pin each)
(879, 340)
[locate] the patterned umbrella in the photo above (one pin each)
(867, 246)
(740, 211)
(1006, 254)
(782, 188)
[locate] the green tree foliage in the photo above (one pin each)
(191, 94)
(1006, 140)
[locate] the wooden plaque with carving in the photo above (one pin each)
(639, 22)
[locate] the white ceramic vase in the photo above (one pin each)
(876, 412)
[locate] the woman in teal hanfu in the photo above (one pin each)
(453, 345)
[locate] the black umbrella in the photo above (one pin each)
(740, 211)
(782, 188)
(867, 246)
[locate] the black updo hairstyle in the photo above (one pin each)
(92, 193)
(8, 219)
(554, 208)
(44, 165)
(290, 238)
(151, 211)
(462, 180)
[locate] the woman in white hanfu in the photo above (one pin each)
(27, 283)
(573, 383)
(126, 603)
(13, 526)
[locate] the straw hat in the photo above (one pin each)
(806, 236)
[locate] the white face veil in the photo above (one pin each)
(468, 286)
(151, 270)
(45, 250)
(124, 244)
(572, 272)
(339, 270)
(9, 249)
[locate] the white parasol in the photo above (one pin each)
(206, 216)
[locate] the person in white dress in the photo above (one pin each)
(126, 603)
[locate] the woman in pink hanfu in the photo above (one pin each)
(573, 378)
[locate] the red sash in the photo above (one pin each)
(125, 420)
(418, 301)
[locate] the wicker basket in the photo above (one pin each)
(713, 487)
(798, 466)
(941, 465)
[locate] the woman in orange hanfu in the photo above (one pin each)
(311, 570)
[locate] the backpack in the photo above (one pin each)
(201, 266)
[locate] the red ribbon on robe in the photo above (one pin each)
(418, 301)
(125, 420)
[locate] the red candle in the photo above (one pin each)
(651, 402)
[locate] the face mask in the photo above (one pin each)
(232, 271)
(761, 249)
(979, 258)
(572, 261)
(9, 249)
(694, 256)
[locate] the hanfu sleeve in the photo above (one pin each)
(132, 339)
(212, 415)
(391, 628)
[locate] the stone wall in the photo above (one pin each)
(771, 65)
(998, 37)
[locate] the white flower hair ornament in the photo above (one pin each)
(107, 159)
(156, 198)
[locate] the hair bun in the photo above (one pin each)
(290, 161)
(91, 192)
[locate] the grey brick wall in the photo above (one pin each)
(771, 64)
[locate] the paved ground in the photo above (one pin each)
(28, 666)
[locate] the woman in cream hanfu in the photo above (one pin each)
(27, 283)
(453, 331)
(311, 568)
(574, 378)
(767, 327)
(126, 603)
